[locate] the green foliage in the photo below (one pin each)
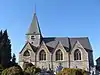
(38, 70)
(13, 61)
(5, 49)
(0, 44)
(14, 58)
(26, 64)
(1, 69)
(4, 72)
(68, 71)
(15, 70)
(30, 69)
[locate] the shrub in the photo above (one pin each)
(1, 69)
(69, 71)
(38, 70)
(32, 70)
(26, 64)
(4, 72)
(15, 70)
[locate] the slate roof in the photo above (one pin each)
(98, 59)
(33, 47)
(84, 41)
(34, 27)
(53, 41)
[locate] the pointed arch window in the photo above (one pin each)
(42, 55)
(59, 55)
(26, 53)
(77, 55)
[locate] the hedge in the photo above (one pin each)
(69, 71)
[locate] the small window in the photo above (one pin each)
(77, 55)
(32, 37)
(26, 53)
(59, 55)
(42, 55)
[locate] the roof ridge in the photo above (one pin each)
(78, 37)
(55, 37)
(67, 37)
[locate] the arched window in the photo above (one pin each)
(77, 55)
(42, 55)
(26, 53)
(59, 55)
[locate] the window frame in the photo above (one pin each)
(77, 55)
(59, 55)
(42, 55)
(26, 53)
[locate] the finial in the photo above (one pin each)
(35, 8)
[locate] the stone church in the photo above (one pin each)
(49, 52)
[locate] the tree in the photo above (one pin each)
(0, 36)
(1, 69)
(5, 50)
(14, 58)
(0, 44)
(13, 62)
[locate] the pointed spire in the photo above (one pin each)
(34, 27)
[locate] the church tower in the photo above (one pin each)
(34, 33)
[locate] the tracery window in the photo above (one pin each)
(77, 55)
(59, 55)
(26, 53)
(42, 55)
